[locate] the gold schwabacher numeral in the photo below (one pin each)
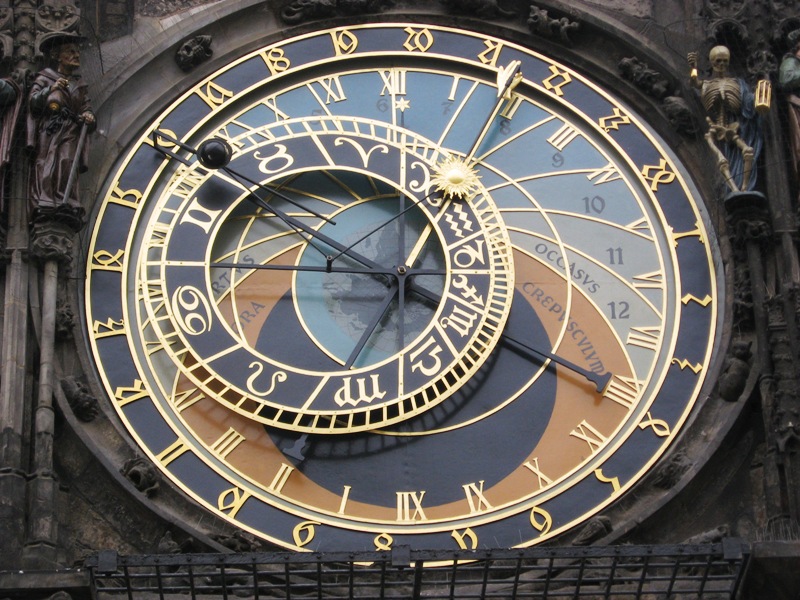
(214, 94)
(104, 260)
(344, 42)
(419, 40)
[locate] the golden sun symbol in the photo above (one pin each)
(455, 178)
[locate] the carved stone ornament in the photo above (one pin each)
(52, 239)
(240, 541)
(735, 372)
(713, 536)
(168, 545)
(483, 9)
(724, 8)
(671, 473)
(57, 15)
(142, 475)
(82, 403)
(299, 11)
(787, 429)
(6, 33)
(193, 52)
(596, 528)
(543, 25)
(65, 320)
(650, 81)
(680, 115)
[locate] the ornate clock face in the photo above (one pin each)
(421, 287)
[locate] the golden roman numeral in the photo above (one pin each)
(510, 105)
(183, 400)
(332, 86)
(533, 466)
(227, 443)
(281, 478)
(394, 82)
(644, 337)
(171, 452)
(590, 435)
(408, 502)
(623, 390)
(653, 280)
(477, 501)
(604, 175)
(272, 104)
(565, 134)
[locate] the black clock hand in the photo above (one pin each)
(600, 381)
(214, 154)
(373, 324)
(507, 79)
(336, 269)
(260, 202)
(414, 204)
(312, 268)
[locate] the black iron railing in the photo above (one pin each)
(664, 571)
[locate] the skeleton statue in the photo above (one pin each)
(733, 129)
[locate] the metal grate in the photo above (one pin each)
(631, 572)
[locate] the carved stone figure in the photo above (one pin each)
(733, 134)
(193, 52)
(736, 370)
(10, 103)
(484, 9)
(679, 115)
(789, 79)
(142, 475)
(541, 24)
(670, 474)
(298, 11)
(598, 527)
(59, 119)
(240, 541)
(82, 403)
(651, 82)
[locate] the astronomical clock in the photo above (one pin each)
(399, 283)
